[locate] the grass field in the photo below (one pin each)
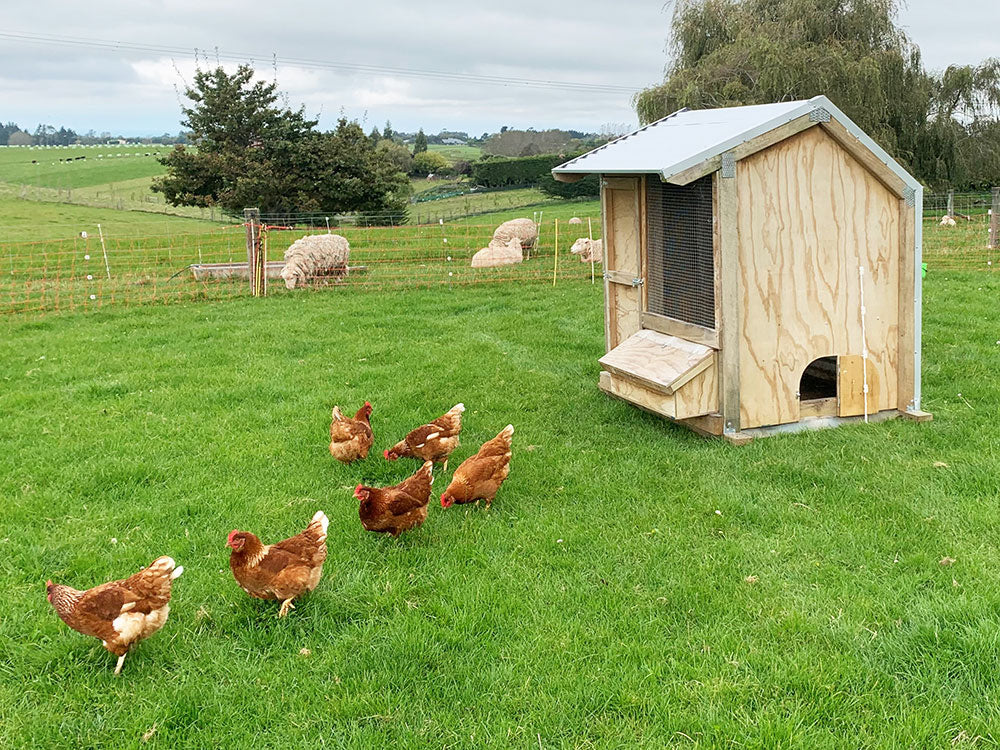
(79, 166)
(633, 585)
(457, 153)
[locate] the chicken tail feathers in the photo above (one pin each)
(177, 572)
(318, 525)
(337, 414)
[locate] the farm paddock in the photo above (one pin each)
(625, 590)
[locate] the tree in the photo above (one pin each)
(430, 162)
(387, 131)
(735, 52)
(420, 142)
(251, 152)
(396, 153)
(374, 136)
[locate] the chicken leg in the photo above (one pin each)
(121, 661)
(285, 606)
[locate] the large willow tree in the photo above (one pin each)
(734, 52)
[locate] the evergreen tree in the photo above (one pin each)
(251, 152)
(420, 142)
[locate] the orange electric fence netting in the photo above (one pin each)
(97, 269)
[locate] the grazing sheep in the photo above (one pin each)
(947, 221)
(588, 250)
(499, 254)
(524, 231)
(576, 220)
(315, 255)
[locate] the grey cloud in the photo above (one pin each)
(584, 41)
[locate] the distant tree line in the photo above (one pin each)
(944, 127)
(11, 134)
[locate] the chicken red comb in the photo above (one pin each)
(48, 583)
(232, 533)
(368, 404)
(386, 454)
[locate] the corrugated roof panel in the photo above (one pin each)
(679, 138)
(690, 137)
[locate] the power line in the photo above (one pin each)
(125, 46)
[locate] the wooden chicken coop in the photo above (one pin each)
(762, 270)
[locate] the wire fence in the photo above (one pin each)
(91, 269)
(94, 270)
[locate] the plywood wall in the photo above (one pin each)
(622, 215)
(808, 216)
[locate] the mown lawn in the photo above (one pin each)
(633, 585)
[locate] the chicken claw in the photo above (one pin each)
(285, 606)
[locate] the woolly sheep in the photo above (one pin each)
(523, 230)
(499, 254)
(588, 250)
(315, 255)
(576, 220)
(947, 221)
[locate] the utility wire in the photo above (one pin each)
(125, 46)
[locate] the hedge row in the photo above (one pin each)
(533, 171)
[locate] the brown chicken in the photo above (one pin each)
(431, 442)
(351, 439)
(120, 613)
(394, 510)
(480, 476)
(284, 570)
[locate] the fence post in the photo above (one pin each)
(995, 220)
(252, 219)
(951, 203)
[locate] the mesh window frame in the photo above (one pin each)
(680, 263)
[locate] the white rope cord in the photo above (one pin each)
(864, 340)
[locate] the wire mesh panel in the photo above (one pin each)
(680, 278)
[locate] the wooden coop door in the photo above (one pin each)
(851, 386)
(620, 198)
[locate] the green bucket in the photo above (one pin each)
(923, 270)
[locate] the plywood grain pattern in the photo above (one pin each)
(645, 398)
(690, 402)
(622, 255)
(662, 362)
(700, 395)
(851, 386)
(809, 214)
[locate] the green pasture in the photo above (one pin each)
(456, 153)
(634, 585)
(72, 167)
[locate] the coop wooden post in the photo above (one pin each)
(252, 222)
(730, 291)
(951, 203)
(995, 220)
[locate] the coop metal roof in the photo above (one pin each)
(689, 137)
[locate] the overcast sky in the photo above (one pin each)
(617, 44)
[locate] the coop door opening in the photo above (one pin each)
(818, 386)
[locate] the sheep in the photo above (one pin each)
(315, 255)
(947, 221)
(523, 230)
(576, 220)
(588, 250)
(499, 254)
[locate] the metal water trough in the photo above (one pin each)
(217, 271)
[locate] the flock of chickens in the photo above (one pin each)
(122, 613)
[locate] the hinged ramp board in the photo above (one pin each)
(658, 361)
